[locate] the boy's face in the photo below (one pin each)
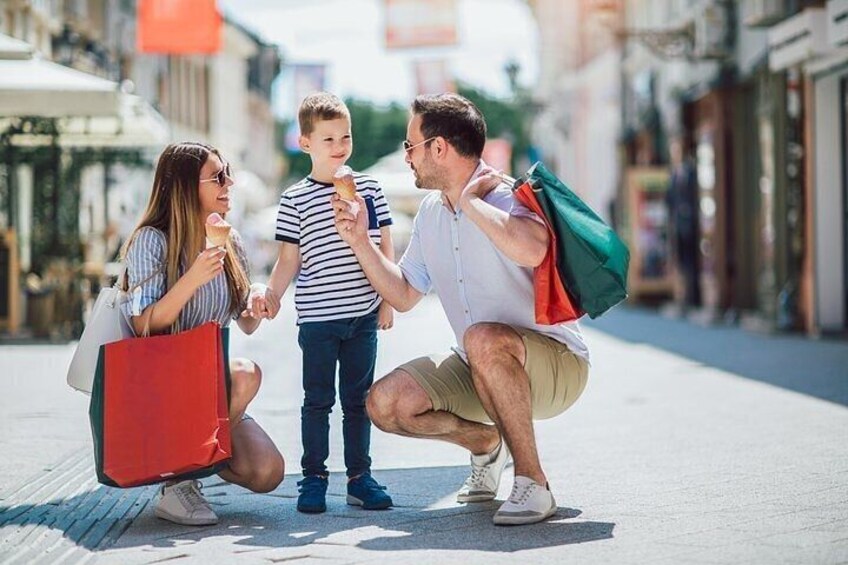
(330, 143)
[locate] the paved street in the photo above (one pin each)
(690, 445)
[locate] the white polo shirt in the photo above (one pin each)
(475, 282)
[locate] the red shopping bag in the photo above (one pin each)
(553, 303)
(159, 408)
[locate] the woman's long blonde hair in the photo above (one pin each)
(174, 209)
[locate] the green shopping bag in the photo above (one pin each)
(591, 259)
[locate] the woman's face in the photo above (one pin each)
(214, 196)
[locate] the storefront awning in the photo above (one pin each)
(89, 111)
(31, 86)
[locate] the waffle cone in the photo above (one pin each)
(217, 235)
(345, 187)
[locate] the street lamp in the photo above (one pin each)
(65, 46)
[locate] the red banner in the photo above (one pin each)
(179, 27)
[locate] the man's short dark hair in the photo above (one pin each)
(454, 118)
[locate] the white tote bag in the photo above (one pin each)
(106, 324)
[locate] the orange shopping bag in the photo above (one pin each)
(553, 303)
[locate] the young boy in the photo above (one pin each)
(338, 310)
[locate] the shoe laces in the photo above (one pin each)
(478, 475)
(521, 493)
(190, 493)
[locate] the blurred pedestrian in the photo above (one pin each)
(178, 285)
(476, 246)
(682, 204)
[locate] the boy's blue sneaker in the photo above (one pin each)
(364, 491)
(313, 495)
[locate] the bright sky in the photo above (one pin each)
(348, 35)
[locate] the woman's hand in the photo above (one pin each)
(385, 316)
(208, 265)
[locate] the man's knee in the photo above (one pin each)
(380, 404)
(486, 341)
(393, 400)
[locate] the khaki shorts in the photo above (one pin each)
(557, 378)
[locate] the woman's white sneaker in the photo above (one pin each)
(183, 503)
(485, 477)
(528, 503)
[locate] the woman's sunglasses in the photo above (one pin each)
(220, 177)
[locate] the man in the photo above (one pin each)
(476, 246)
(682, 203)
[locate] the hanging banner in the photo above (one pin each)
(179, 27)
(305, 80)
(433, 77)
(420, 23)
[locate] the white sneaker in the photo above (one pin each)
(183, 503)
(485, 477)
(528, 503)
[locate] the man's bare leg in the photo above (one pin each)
(398, 404)
(496, 354)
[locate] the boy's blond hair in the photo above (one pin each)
(320, 106)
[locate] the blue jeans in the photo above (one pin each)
(352, 344)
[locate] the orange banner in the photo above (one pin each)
(420, 23)
(179, 27)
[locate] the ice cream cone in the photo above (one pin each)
(344, 183)
(217, 231)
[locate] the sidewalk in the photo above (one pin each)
(690, 445)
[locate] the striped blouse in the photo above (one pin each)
(331, 285)
(146, 258)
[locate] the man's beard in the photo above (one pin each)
(432, 181)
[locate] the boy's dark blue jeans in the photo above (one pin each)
(351, 344)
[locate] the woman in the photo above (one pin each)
(179, 285)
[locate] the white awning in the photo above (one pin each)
(90, 111)
(137, 125)
(31, 86)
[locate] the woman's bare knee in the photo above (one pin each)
(268, 475)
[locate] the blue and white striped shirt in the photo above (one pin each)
(146, 257)
(331, 285)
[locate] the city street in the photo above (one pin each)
(690, 445)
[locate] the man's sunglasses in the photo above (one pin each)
(407, 146)
(220, 177)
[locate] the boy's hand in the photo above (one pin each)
(385, 316)
(262, 302)
(353, 228)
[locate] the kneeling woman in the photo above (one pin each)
(178, 285)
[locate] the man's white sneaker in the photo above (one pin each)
(528, 503)
(485, 477)
(183, 503)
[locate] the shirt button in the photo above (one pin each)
(466, 311)
(456, 248)
(460, 280)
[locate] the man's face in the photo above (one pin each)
(428, 175)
